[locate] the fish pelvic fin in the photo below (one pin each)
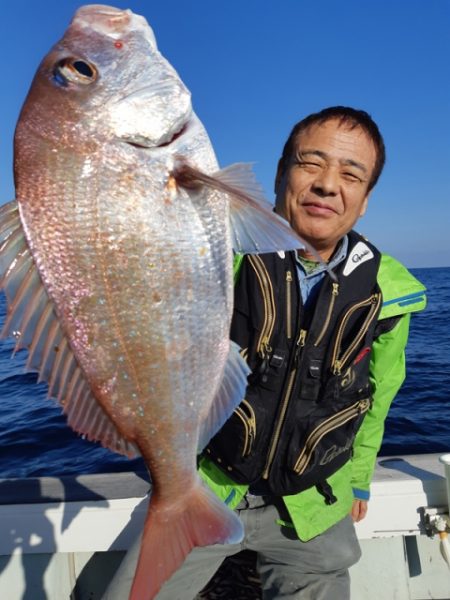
(200, 519)
(31, 319)
(229, 395)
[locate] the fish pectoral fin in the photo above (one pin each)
(32, 321)
(169, 535)
(229, 395)
(255, 227)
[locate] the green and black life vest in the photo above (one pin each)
(309, 389)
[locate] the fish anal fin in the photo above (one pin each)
(170, 533)
(32, 321)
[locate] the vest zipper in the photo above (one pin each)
(249, 423)
(284, 405)
(328, 425)
(263, 347)
(334, 293)
(288, 305)
(337, 364)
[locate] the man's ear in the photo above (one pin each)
(278, 176)
(364, 205)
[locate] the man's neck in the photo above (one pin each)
(325, 257)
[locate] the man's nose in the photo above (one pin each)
(327, 182)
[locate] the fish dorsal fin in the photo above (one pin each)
(32, 321)
(230, 394)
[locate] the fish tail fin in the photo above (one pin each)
(170, 533)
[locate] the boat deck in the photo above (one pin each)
(64, 537)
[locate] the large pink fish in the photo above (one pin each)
(116, 262)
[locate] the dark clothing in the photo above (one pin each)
(309, 389)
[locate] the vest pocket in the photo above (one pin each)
(268, 300)
(236, 447)
(246, 414)
(362, 315)
(329, 439)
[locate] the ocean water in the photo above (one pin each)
(35, 440)
(419, 419)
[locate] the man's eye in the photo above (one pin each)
(351, 176)
(308, 163)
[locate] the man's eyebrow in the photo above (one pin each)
(319, 153)
(346, 161)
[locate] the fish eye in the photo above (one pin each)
(83, 68)
(75, 70)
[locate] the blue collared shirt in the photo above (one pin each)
(310, 282)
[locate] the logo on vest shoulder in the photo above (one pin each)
(360, 253)
(281, 254)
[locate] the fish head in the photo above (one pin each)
(105, 80)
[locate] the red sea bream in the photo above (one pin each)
(116, 262)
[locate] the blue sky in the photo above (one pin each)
(255, 67)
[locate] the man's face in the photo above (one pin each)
(324, 187)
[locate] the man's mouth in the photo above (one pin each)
(318, 208)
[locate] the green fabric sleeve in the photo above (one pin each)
(237, 263)
(402, 292)
(387, 373)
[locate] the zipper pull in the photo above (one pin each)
(364, 405)
(266, 348)
(337, 367)
(301, 338)
(289, 276)
(335, 290)
(300, 343)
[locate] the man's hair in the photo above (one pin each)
(350, 117)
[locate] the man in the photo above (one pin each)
(327, 358)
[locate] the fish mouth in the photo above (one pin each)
(175, 136)
(144, 144)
